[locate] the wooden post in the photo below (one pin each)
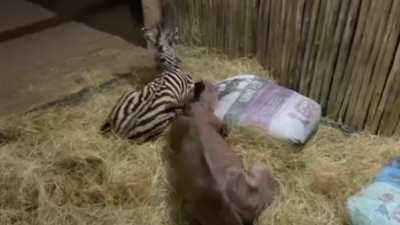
(152, 12)
(152, 15)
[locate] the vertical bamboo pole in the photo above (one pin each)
(152, 15)
(152, 12)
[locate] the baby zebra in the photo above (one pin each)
(144, 114)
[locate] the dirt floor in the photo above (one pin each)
(57, 169)
(55, 62)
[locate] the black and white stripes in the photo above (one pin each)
(144, 114)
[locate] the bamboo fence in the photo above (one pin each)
(343, 53)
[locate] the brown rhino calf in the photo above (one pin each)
(210, 176)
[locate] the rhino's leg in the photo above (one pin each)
(250, 193)
(220, 126)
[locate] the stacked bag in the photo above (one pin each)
(282, 113)
(379, 202)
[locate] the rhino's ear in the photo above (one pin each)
(187, 110)
(197, 90)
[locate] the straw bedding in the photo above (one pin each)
(57, 169)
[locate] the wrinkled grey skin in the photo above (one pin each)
(210, 176)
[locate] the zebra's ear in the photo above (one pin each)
(175, 36)
(171, 36)
(151, 33)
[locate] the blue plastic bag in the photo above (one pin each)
(379, 202)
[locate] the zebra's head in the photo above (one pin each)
(164, 41)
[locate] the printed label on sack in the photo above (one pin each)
(267, 103)
(386, 199)
(379, 203)
(305, 111)
(246, 99)
(281, 112)
(236, 95)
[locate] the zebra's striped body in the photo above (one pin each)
(144, 114)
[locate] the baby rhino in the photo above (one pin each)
(210, 176)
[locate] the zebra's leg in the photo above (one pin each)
(154, 132)
(175, 109)
(153, 136)
(162, 127)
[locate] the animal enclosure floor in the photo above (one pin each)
(19, 13)
(42, 67)
(57, 168)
